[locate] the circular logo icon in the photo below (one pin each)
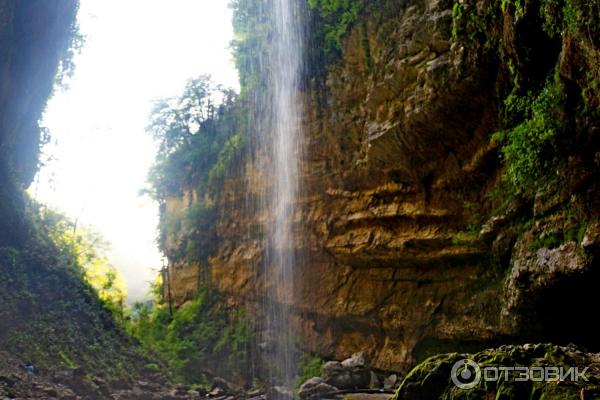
(466, 374)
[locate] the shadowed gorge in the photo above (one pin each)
(396, 186)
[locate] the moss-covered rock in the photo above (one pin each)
(432, 379)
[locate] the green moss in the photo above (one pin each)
(472, 24)
(576, 232)
(571, 229)
(552, 240)
(457, 16)
(577, 17)
(538, 121)
(431, 379)
(516, 5)
(462, 238)
(366, 46)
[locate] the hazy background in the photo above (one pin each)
(136, 51)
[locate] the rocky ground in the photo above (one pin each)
(351, 377)
(432, 379)
(20, 381)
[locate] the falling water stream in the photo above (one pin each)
(285, 136)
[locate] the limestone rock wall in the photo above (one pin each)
(398, 164)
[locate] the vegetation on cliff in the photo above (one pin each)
(532, 148)
(548, 96)
(84, 251)
(58, 301)
(488, 109)
(200, 340)
(336, 17)
(200, 138)
(546, 106)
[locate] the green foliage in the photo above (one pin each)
(191, 131)
(200, 238)
(576, 232)
(550, 241)
(200, 139)
(457, 16)
(535, 138)
(250, 44)
(51, 313)
(309, 366)
(66, 67)
(464, 238)
(203, 338)
(84, 249)
(532, 148)
(472, 23)
(228, 156)
(572, 229)
(517, 5)
(577, 17)
(337, 17)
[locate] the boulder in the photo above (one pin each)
(315, 386)
(391, 382)
(375, 382)
(358, 360)
(280, 393)
(432, 379)
(351, 373)
(591, 239)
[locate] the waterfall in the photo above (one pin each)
(284, 147)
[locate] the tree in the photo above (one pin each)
(84, 249)
(200, 137)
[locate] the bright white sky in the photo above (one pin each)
(136, 51)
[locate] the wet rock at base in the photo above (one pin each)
(217, 391)
(432, 378)
(315, 386)
(280, 393)
(351, 373)
(391, 382)
(375, 382)
(358, 360)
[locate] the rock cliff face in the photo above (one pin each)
(34, 36)
(403, 248)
